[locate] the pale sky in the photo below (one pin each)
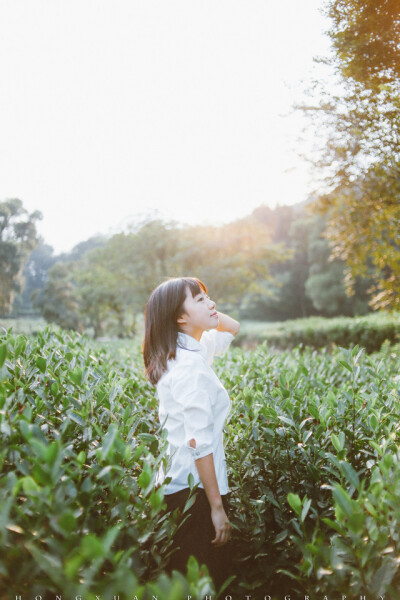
(114, 110)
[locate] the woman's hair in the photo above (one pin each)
(161, 312)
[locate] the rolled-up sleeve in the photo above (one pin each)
(191, 389)
(216, 342)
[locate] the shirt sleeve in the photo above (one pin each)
(191, 389)
(216, 342)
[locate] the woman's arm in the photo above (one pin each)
(206, 469)
(226, 323)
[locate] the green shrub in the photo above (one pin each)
(369, 331)
(79, 510)
(312, 453)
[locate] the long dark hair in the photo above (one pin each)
(161, 312)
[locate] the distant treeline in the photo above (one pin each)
(272, 265)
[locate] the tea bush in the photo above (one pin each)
(79, 512)
(312, 448)
(305, 423)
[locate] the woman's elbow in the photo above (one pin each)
(237, 328)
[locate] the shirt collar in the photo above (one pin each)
(189, 342)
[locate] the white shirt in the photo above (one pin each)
(195, 405)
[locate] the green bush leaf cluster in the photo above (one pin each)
(312, 449)
(79, 449)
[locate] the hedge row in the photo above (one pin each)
(370, 332)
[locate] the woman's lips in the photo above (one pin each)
(215, 314)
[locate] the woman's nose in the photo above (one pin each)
(212, 303)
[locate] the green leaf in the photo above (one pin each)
(144, 479)
(92, 547)
(350, 474)
(77, 418)
(336, 442)
(29, 485)
(343, 499)
(108, 440)
(20, 348)
(81, 457)
(306, 508)
(67, 521)
(156, 498)
(286, 420)
(370, 508)
(41, 364)
(76, 375)
(189, 503)
(3, 354)
(147, 437)
(52, 452)
(346, 365)
(49, 563)
(383, 576)
(386, 462)
(295, 502)
(333, 524)
(377, 447)
(373, 421)
(106, 470)
(356, 521)
(190, 480)
(281, 536)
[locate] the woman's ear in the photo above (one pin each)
(181, 319)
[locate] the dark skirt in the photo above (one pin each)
(195, 535)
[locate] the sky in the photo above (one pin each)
(111, 112)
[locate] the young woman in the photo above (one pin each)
(183, 332)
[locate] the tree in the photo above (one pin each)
(18, 237)
(233, 260)
(34, 275)
(360, 160)
(57, 301)
(325, 285)
(365, 36)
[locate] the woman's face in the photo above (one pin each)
(198, 314)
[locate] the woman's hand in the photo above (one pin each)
(222, 526)
(226, 323)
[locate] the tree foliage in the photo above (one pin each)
(359, 157)
(57, 301)
(18, 237)
(365, 36)
(108, 286)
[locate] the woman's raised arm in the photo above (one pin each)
(226, 323)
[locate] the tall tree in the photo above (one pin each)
(57, 301)
(18, 237)
(232, 259)
(325, 285)
(40, 260)
(360, 157)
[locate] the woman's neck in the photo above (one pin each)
(194, 333)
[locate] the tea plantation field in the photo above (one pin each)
(313, 455)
